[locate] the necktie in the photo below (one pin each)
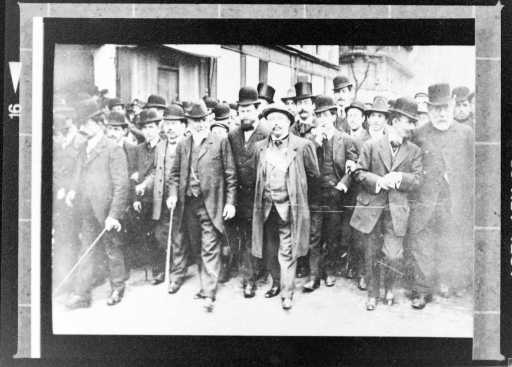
(394, 145)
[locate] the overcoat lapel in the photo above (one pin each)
(385, 153)
(401, 155)
(96, 150)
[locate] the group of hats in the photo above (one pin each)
(403, 105)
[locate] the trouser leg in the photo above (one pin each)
(332, 231)
(316, 252)
(423, 247)
(373, 242)
(115, 257)
(181, 245)
(392, 250)
(287, 262)
(248, 261)
(271, 246)
(66, 242)
(161, 236)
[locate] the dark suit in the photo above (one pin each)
(441, 224)
(384, 215)
(244, 155)
(202, 214)
(101, 184)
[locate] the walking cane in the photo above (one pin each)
(168, 253)
(79, 261)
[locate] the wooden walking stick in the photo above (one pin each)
(168, 253)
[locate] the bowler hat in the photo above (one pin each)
(116, 119)
(87, 109)
(379, 105)
(355, 104)
(461, 94)
(340, 82)
(174, 112)
(210, 102)
(439, 94)
(406, 107)
(155, 101)
(220, 123)
(114, 102)
(247, 96)
(278, 107)
(324, 103)
(266, 92)
(197, 111)
(148, 116)
(303, 90)
(221, 112)
(290, 95)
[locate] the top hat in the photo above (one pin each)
(247, 95)
(379, 105)
(406, 107)
(155, 101)
(356, 104)
(324, 103)
(210, 102)
(278, 107)
(197, 111)
(148, 116)
(174, 112)
(87, 109)
(266, 92)
(340, 82)
(290, 96)
(461, 94)
(303, 90)
(114, 102)
(439, 94)
(116, 119)
(222, 112)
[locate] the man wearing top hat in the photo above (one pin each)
(243, 140)
(389, 169)
(462, 111)
(343, 95)
(305, 120)
(100, 193)
(158, 103)
(202, 189)
(441, 223)
(286, 166)
(289, 101)
(265, 94)
(156, 183)
(334, 149)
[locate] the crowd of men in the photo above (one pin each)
(312, 185)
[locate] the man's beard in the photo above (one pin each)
(247, 124)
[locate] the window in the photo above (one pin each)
(228, 75)
(168, 83)
(252, 71)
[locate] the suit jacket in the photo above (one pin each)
(216, 173)
(376, 160)
(158, 180)
(244, 155)
(102, 178)
(341, 124)
(144, 165)
(450, 152)
(130, 151)
(302, 167)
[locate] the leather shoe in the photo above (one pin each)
(116, 296)
(157, 279)
(249, 290)
(208, 304)
(330, 281)
(311, 285)
(76, 301)
(371, 304)
(420, 301)
(199, 295)
(362, 284)
(173, 287)
(286, 303)
(272, 292)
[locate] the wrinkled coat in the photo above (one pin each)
(302, 167)
(216, 173)
(375, 161)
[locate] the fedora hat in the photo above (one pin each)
(148, 116)
(340, 82)
(197, 111)
(303, 90)
(324, 103)
(247, 96)
(155, 101)
(379, 105)
(461, 94)
(174, 112)
(87, 109)
(222, 112)
(290, 96)
(439, 94)
(266, 92)
(406, 107)
(116, 119)
(278, 107)
(356, 104)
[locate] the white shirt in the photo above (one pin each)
(248, 133)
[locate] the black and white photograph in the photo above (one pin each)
(300, 190)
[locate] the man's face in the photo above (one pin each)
(118, 108)
(325, 122)
(404, 126)
(422, 119)
(305, 108)
(136, 109)
(173, 129)
(219, 131)
(291, 106)
(355, 118)
(462, 110)
(90, 128)
(115, 133)
(247, 115)
(344, 96)
(279, 124)
(376, 123)
(198, 125)
(441, 116)
(150, 131)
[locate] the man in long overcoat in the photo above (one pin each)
(281, 219)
